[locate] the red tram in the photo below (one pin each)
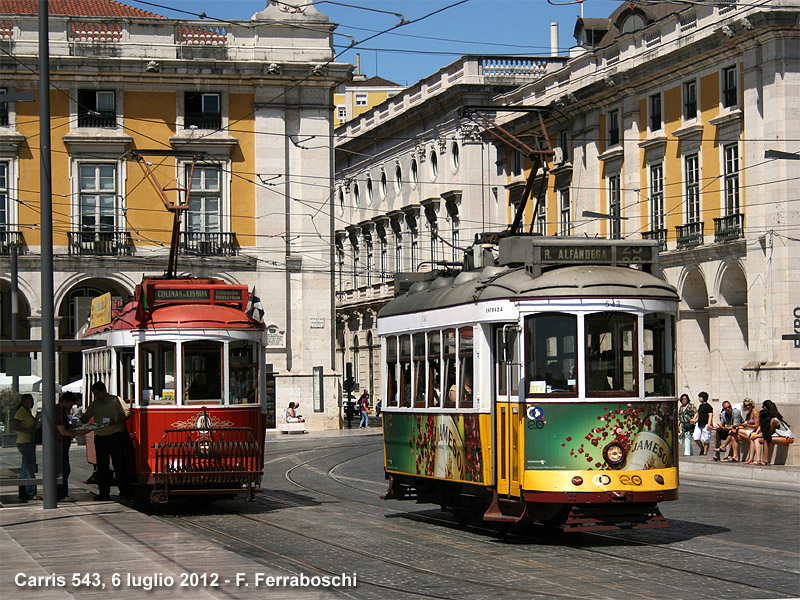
(189, 361)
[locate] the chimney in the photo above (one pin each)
(358, 64)
(553, 39)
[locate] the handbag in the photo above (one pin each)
(37, 433)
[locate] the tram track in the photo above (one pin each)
(727, 561)
(467, 542)
(393, 563)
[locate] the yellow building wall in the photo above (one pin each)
(243, 201)
(710, 181)
(673, 171)
(29, 161)
(373, 99)
(149, 119)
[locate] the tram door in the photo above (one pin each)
(509, 413)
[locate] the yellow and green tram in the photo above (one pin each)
(537, 384)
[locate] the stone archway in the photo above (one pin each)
(694, 356)
(23, 313)
(73, 312)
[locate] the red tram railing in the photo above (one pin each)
(207, 461)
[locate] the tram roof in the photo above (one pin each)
(180, 316)
(518, 283)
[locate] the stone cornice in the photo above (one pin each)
(693, 129)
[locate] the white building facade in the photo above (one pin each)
(667, 119)
(414, 184)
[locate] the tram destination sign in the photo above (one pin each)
(197, 294)
(609, 255)
(182, 295)
(227, 295)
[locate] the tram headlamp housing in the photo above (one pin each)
(577, 480)
(203, 447)
(614, 454)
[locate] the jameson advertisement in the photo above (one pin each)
(443, 446)
(573, 436)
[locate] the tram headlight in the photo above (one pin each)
(577, 480)
(203, 447)
(659, 479)
(614, 454)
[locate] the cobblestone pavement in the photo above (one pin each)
(321, 513)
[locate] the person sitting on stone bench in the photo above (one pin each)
(729, 419)
(772, 430)
(291, 413)
(747, 429)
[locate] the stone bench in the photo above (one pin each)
(292, 427)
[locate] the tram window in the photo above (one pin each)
(125, 375)
(391, 371)
(419, 370)
(405, 371)
(610, 354)
(507, 351)
(157, 373)
(202, 372)
(243, 361)
(465, 368)
(551, 361)
(450, 368)
(434, 369)
(659, 355)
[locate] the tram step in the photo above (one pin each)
(506, 510)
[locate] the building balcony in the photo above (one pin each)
(103, 118)
(202, 120)
(659, 235)
(198, 243)
(729, 228)
(9, 239)
(88, 242)
(689, 235)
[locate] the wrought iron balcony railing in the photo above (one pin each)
(102, 118)
(200, 243)
(100, 243)
(8, 239)
(660, 235)
(202, 120)
(729, 228)
(689, 235)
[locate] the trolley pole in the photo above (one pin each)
(48, 329)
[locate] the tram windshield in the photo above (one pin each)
(611, 347)
(157, 373)
(611, 354)
(659, 355)
(202, 371)
(243, 360)
(551, 354)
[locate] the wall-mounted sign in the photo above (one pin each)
(317, 322)
(101, 311)
(275, 337)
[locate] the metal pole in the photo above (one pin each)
(48, 330)
(14, 308)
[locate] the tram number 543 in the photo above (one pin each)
(613, 303)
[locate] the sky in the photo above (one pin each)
(414, 51)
